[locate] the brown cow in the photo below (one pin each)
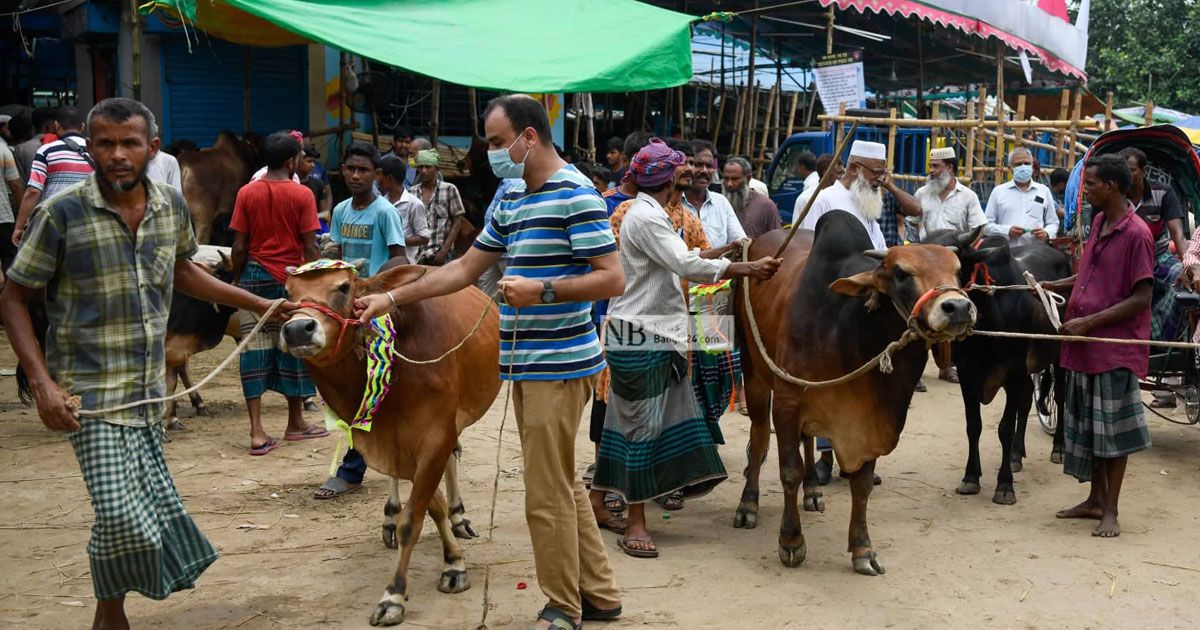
(831, 308)
(416, 430)
(211, 179)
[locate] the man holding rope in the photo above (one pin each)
(108, 252)
(1110, 297)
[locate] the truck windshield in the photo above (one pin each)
(786, 168)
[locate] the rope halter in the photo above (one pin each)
(344, 323)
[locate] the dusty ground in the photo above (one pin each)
(951, 560)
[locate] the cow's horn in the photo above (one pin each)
(877, 254)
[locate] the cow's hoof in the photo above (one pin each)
(792, 557)
(868, 565)
(202, 410)
(814, 502)
(389, 536)
(1056, 457)
(1004, 496)
(454, 581)
(463, 529)
(387, 614)
(175, 425)
(968, 487)
(1015, 465)
(745, 518)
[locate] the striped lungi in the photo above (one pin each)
(263, 364)
(143, 539)
(1104, 418)
(655, 440)
(714, 375)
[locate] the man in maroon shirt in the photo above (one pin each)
(1110, 297)
(275, 226)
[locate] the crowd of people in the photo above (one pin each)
(585, 254)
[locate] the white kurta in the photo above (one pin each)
(838, 197)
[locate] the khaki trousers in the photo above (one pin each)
(567, 548)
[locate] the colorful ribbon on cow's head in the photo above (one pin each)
(323, 264)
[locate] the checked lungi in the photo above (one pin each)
(263, 364)
(1104, 418)
(143, 539)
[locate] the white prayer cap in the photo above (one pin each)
(869, 150)
(942, 153)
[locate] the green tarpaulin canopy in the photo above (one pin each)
(507, 45)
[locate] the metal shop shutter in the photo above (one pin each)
(202, 89)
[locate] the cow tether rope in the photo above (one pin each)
(74, 401)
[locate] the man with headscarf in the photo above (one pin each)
(946, 204)
(757, 213)
(443, 207)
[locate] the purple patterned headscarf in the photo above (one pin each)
(655, 164)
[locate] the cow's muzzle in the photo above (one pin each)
(944, 312)
(302, 337)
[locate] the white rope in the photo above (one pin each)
(75, 401)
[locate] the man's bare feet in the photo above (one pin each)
(1087, 509)
(1108, 527)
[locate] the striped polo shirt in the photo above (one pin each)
(57, 166)
(549, 234)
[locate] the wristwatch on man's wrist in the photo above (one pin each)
(548, 295)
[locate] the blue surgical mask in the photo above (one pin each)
(502, 163)
(1023, 173)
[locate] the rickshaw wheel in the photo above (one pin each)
(1048, 413)
(1191, 404)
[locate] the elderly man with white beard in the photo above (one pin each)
(756, 212)
(946, 204)
(860, 192)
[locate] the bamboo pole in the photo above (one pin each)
(1020, 132)
(135, 40)
(825, 180)
(1108, 100)
(961, 124)
(998, 177)
(716, 135)
(1024, 141)
(577, 106)
(589, 111)
(891, 145)
(837, 130)
(828, 34)
(812, 104)
(1064, 108)
(970, 159)
(747, 148)
(791, 125)
(683, 133)
(1074, 124)
(775, 122)
(935, 130)
(981, 142)
(708, 122)
(739, 114)
(473, 104)
(436, 106)
(762, 147)
(1149, 113)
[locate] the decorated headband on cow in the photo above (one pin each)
(323, 264)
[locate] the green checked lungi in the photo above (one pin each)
(1104, 418)
(264, 365)
(143, 539)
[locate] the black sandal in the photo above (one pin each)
(558, 620)
(591, 613)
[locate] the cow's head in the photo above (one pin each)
(979, 257)
(324, 329)
(921, 281)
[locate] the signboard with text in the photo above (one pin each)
(840, 80)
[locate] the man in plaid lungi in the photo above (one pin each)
(1110, 297)
(108, 252)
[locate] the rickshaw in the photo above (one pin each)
(1171, 159)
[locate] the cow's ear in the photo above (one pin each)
(967, 240)
(392, 278)
(858, 285)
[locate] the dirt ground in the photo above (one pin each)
(951, 560)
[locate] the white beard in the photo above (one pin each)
(868, 200)
(737, 197)
(939, 183)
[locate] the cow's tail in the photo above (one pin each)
(37, 315)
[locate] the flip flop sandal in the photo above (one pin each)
(591, 613)
(615, 503)
(558, 619)
(337, 487)
(615, 524)
(637, 553)
(313, 431)
(671, 502)
(588, 475)
(268, 446)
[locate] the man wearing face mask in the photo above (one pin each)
(275, 227)
(553, 228)
(946, 204)
(1021, 209)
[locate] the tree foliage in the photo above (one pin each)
(1145, 50)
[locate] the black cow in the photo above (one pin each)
(832, 307)
(987, 364)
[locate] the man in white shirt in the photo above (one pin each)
(1021, 209)
(806, 167)
(163, 168)
(716, 214)
(946, 204)
(858, 192)
(823, 163)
